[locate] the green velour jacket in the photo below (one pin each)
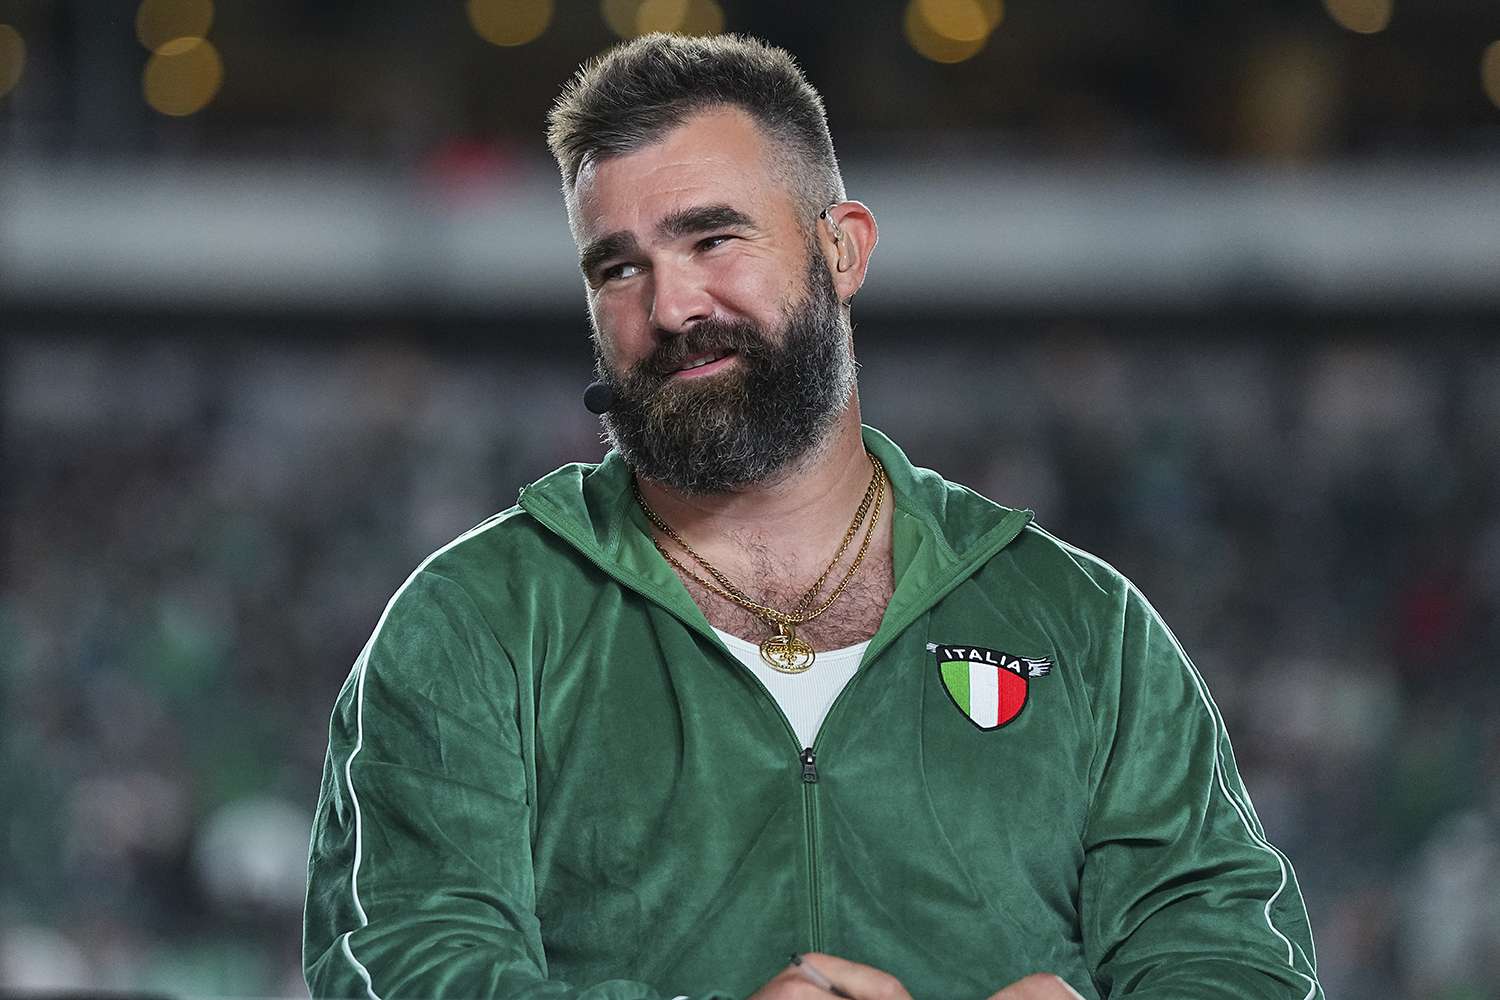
(548, 778)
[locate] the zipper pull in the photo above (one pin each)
(809, 766)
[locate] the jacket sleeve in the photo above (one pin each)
(1182, 895)
(420, 879)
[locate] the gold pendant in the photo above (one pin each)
(785, 652)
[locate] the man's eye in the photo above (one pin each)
(713, 241)
(615, 271)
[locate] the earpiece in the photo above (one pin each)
(833, 227)
(838, 239)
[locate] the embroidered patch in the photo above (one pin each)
(987, 685)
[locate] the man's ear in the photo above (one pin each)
(847, 235)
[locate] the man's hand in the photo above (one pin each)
(862, 982)
(1040, 986)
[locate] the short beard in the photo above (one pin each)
(739, 427)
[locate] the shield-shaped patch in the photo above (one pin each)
(988, 686)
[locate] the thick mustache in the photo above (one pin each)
(675, 351)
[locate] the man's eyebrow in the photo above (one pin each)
(701, 219)
(598, 251)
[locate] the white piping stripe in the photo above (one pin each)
(359, 740)
(1219, 768)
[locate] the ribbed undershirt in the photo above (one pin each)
(805, 698)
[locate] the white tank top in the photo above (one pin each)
(805, 698)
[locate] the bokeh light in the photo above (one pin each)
(950, 31)
(509, 22)
(160, 22)
(1489, 72)
(633, 18)
(1363, 16)
(958, 20)
(12, 58)
(182, 76)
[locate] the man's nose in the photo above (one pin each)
(679, 298)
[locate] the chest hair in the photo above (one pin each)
(853, 618)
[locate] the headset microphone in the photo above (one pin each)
(599, 397)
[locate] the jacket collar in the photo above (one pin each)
(943, 532)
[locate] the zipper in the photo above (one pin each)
(809, 759)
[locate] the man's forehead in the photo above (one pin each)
(716, 157)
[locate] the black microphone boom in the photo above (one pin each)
(599, 397)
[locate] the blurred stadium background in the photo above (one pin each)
(287, 301)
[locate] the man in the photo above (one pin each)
(757, 685)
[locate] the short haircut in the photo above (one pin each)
(631, 95)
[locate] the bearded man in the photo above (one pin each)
(756, 684)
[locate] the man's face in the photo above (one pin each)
(714, 314)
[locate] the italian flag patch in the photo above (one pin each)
(988, 686)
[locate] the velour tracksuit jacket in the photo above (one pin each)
(547, 778)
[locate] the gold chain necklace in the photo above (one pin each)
(784, 650)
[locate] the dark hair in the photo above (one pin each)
(632, 94)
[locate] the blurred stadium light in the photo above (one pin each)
(1365, 17)
(508, 22)
(1489, 72)
(12, 58)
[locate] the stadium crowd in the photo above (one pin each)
(200, 534)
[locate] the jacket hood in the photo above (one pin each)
(942, 532)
